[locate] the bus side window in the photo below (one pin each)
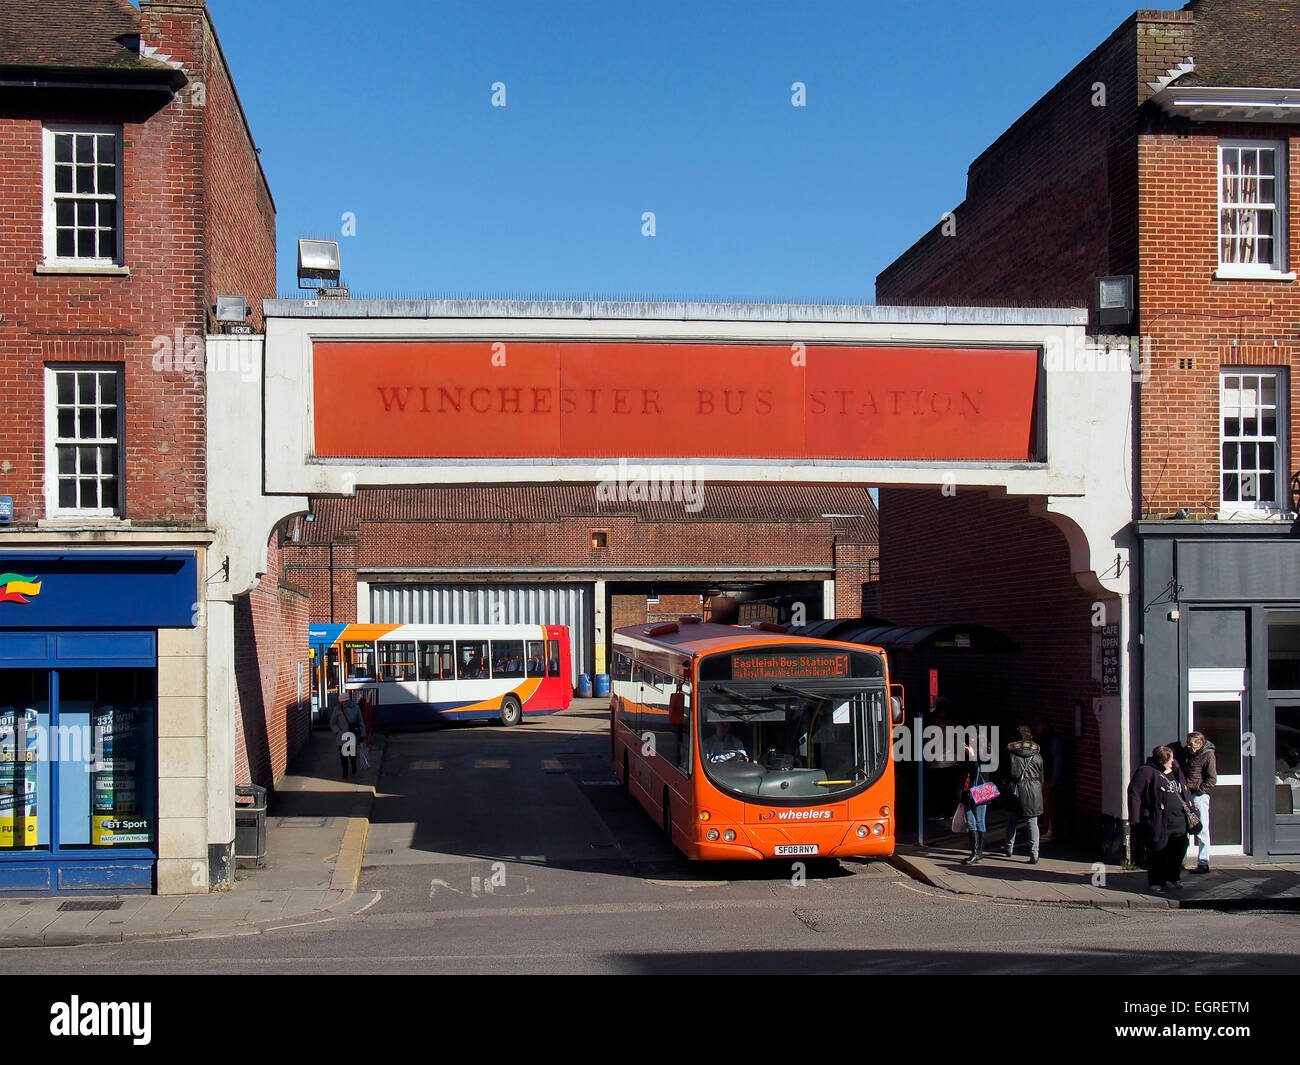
(472, 659)
(684, 733)
(358, 659)
(536, 659)
(435, 660)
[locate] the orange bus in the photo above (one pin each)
(747, 743)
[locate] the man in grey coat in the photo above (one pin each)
(349, 728)
(1024, 790)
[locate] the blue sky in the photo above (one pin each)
(615, 108)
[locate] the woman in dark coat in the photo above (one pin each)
(971, 773)
(1024, 790)
(1158, 818)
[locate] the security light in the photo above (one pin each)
(318, 260)
(1114, 299)
(231, 308)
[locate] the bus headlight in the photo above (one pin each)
(877, 829)
(863, 831)
(711, 835)
(729, 836)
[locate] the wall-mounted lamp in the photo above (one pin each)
(318, 260)
(1113, 299)
(231, 308)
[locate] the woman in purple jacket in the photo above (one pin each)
(1156, 795)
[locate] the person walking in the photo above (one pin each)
(1156, 795)
(345, 721)
(1024, 791)
(1201, 769)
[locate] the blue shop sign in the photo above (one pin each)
(99, 589)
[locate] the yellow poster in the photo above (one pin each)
(17, 781)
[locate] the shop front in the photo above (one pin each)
(1221, 656)
(79, 720)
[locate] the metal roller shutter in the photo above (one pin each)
(483, 604)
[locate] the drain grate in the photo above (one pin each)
(90, 904)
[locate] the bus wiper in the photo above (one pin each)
(803, 693)
(738, 696)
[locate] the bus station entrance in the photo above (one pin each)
(1003, 426)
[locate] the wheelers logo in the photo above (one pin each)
(795, 815)
(14, 588)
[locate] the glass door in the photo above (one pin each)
(1216, 702)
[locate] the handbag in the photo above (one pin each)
(959, 819)
(1194, 825)
(1013, 789)
(984, 792)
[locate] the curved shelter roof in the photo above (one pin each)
(976, 639)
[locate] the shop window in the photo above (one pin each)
(1252, 208)
(90, 735)
(83, 433)
(83, 196)
(1284, 650)
(1252, 441)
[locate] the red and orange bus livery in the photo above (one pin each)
(753, 744)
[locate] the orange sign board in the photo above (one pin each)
(670, 399)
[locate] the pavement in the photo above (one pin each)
(1065, 877)
(317, 827)
(316, 836)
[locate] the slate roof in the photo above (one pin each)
(78, 40)
(1245, 43)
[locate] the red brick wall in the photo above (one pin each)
(55, 318)
(187, 184)
(271, 724)
(309, 569)
(976, 560)
(857, 580)
(239, 213)
(1197, 324)
(495, 545)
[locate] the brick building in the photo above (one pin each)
(558, 554)
(132, 197)
(1168, 154)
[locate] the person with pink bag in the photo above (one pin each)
(976, 794)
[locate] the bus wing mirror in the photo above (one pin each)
(896, 703)
(676, 708)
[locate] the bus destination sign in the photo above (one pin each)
(788, 665)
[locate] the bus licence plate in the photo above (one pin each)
(795, 848)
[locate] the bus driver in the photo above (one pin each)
(722, 746)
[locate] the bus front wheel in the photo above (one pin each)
(511, 712)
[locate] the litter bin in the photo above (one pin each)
(250, 826)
